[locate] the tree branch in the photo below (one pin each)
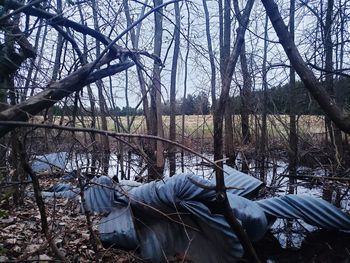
(328, 105)
(56, 91)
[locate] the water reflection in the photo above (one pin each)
(316, 246)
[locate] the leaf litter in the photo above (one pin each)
(21, 238)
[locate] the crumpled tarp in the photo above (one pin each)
(176, 219)
(313, 211)
(248, 185)
(50, 162)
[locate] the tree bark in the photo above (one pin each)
(317, 90)
(264, 137)
(185, 86)
(293, 133)
(220, 106)
(156, 122)
(219, 109)
(134, 36)
(172, 128)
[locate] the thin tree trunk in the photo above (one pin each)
(219, 109)
(293, 133)
(102, 102)
(263, 139)
(245, 109)
(245, 97)
(229, 146)
(334, 131)
(134, 36)
(155, 112)
(172, 129)
(55, 71)
(94, 153)
(185, 85)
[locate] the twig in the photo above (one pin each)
(40, 203)
(113, 134)
(341, 179)
(95, 242)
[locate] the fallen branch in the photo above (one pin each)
(56, 91)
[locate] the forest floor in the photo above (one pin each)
(21, 239)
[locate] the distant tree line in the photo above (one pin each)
(59, 110)
(192, 105)
(198, 104)
(278, 99)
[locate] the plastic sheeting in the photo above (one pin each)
(312, 210)
(101, 195)
(248, 184)
(179, 194)
(50, 162)
(176, 219)
(118, 228)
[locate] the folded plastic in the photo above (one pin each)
(313, 211)
(49, 162)
(176, 218)
(245, 184)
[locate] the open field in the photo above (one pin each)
(199, 128)
(203, 124)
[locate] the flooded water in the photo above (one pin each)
(287, 241)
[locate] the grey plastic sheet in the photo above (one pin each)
(247, 185)
(49, 162)
(117, 228)
(175, 218)
(312, 210)
(179, 194)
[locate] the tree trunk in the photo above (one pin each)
(229, 146)
(172, 129)
(156, 122)
(245, 97)
(333, 111)
(246, 108)
(218, 116)
(293, 133)
(263, 138)
(185, 86)
(105, 150)
(94, 152)
(134, 36)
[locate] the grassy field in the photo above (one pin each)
(201, 126)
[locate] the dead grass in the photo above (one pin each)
(200, 127)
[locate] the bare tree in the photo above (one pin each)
(264, 137)
(172, 128)
(317, 90)
(156, 123)
(293, 133)
(218, 116)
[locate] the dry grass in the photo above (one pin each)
(201, 126)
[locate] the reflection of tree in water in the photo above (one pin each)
(316, 246)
